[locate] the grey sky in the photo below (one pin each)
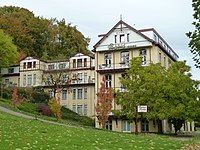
(171, 18)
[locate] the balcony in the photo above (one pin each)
(104, 68)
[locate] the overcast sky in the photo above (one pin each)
(171, 18)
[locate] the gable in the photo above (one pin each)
(122, 36)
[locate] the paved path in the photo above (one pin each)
(3, 109)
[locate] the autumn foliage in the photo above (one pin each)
(55, 107)
(15, 97)
(104, 103)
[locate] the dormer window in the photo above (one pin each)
(122, 38)
(128, 37)
(79, 63)
(11, 70)
(115, 38)
(34, 64)
(29, 65)
(24, 65)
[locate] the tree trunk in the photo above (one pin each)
(160, 127)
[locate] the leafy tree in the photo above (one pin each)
(180, 93)
(104, 103)
(15, 99)
(169, 94)
(8, 51)
(195, 35)
(55, 106)
(37, 36)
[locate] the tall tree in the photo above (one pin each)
(169, 94)
(36, 36)
(104, 103)
(195, 35)
(181, 94)
(8, 51)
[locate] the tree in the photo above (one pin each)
(195, 35)
(55, 106)
(37, 36)
(142, 86)
(169, 94)
(104, 103)
(15, 98)
(181, 94)
(8, 51)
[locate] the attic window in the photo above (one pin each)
(122, 38)
(115, 38)
(128, 37)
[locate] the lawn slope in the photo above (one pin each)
(18, 134)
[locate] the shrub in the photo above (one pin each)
(44, 109)
(7, 93)
(54, 105)
(39, 96)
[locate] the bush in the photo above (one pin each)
(7, 93)
(28, 107)
(44, 109)
(39, 96)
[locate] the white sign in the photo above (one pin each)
(142, 108)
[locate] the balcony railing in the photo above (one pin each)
(121, 65)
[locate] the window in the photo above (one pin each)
(29, 65)
(126, 126)
(80, 77)
(24, 65)
(85, 93)
(109, 125)
(85, 110)
(115, 38)
(74, 63)
(51, 67)
(107, 59)
(124, 58)
(122, 38)
(62, 66)
(34, 64)
(29, 78)
(144, 125)
(51, 93)
(79, 63)
(24, 80)
(80, 109)
(34, 79)
(159, 57)
(85, 78)
(80, 94)
(85, 62)
(7, 81)
(143, 54)
(10, 70)
(74, 93)
(128, 37)
(108, 80)
(74, 108)
(165, 64)
(64, 94)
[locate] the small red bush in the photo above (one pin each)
(44, 109)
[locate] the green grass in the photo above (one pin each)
(20, 134)
(68, 116)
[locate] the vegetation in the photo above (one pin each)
(169, 94)
(195, 35)
(19, 133)
(8, 51)
(34, 109)
(40, 37)
(55, 107)
(104, 103)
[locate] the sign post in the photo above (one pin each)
(139, 109)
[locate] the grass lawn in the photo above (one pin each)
(21, 134)
(68, 117)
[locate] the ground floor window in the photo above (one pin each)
(109, 125)
(144, 125)
(126, 126)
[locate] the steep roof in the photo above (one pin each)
(120, 23)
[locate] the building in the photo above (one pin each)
(80, 76)
(78, 94)
(112, 54)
